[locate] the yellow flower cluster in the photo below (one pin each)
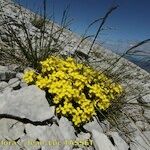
(29, 76)
(77, 90)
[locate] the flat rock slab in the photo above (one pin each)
(101, 141)
(11, 129)
(49, 137)
(29, 103)
(118, 141)
(14, 82)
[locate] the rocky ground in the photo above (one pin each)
(28, 122)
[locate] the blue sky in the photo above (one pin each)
(129, 23)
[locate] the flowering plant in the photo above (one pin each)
(77, 90)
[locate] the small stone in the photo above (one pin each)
(93, 125)
(19, 75)
(139, 142)
(23, 84)
(145, 100)
(3, 86)
(65, 125)
(119, 142)
(147, 113)
(143, 125)
(147, 134)
(11, 129)
(101, 141)
(28, 143)
(7, 90)
(83, 136)
(51, 135)
(13, 67)
(14, 83)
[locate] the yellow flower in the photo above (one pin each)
(76, 89)
(29, 76)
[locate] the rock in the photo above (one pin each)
(7, 90)
(101, 141)
(14, 67)
(86, 139)
(35, 132)
(50, 136)
(83, 136)
(3, 68)
(19, 75)
(11, 129)
(23, 84)
(93, 125)
(9, 145)
(14, 83)
(65, 125)
(145, 99)
(147, 135)
(29, 103)
(139, 143)
(26, 143)
(119, 142)
(43, 132)
(6, 74)
(143, 125)
(3, 86)
(147, 113)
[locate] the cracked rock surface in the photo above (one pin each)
(28, 102)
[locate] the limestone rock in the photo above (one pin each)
(49, 135)
(93, 125)
(119, 142)
(101, 141)
(147, 135)
(14, 82)
(143, 125)
(19, 75)
(13, 67)
(3, 86)
(83, 136)
(29, 103)
(11, 129)
(147, 113)
(139, 142)
(9, 146)
(23, 84)
(65, 125)
(145, 99)
(26, 143)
